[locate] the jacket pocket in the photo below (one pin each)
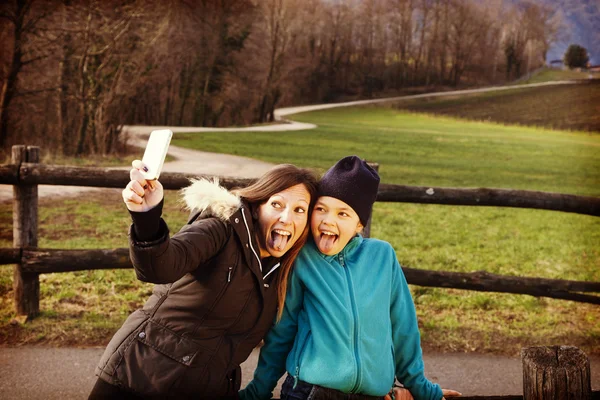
(158, 358)
(302, 343)
(122, 339)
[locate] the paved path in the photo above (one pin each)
(31, 373)
(186, 161)
(282, 112)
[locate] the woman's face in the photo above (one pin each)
(281, 220)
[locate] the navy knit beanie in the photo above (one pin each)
(354, 182)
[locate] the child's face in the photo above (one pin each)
(333, 224)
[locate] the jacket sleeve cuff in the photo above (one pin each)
(146, 225)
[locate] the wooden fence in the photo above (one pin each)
(25, 173)
(548, 372)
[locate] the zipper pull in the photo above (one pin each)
(296, 378)
(229, 274)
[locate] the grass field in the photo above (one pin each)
(415, 149)
(86, 307)
(572, 107)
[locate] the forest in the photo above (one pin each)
(72, 72)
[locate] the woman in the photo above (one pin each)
(222, 278)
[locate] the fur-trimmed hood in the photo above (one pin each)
(211, 199)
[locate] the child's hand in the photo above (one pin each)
(450, 393)
(400, 394)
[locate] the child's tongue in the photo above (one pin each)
(326, 242)
(278, 241)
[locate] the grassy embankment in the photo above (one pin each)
(86, 307)
(570, 107)
(554, 74)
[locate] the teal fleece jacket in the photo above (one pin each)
(349, 323)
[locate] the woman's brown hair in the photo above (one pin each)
(274, 181)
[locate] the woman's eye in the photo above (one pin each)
(343, 214)
(300, 210)
(320, 209)
(276, 204)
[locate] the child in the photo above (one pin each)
(349, 323)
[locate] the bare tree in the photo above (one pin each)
(23, 52)
(444, 42)
(545, 25)
(278, 23)
(401, 15)
(425, 8)
(516, 37)
(469, 22)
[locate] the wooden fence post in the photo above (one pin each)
(25, 226)
(367, 229)
(556, 373)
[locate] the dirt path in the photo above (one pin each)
(199, 162)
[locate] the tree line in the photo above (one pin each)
(73, 71)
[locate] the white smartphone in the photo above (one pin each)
(156, 151)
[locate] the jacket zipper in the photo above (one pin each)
(229, 274)
(254, 251)
(250, 239)
(355, 326)
(272, 270)
(297, 372)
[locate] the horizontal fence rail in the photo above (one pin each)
(45, 261)
(490, 197)
(40, 174)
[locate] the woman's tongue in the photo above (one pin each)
(278, 241)
(326, 242)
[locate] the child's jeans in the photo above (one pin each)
(306, 391)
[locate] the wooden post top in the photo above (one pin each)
(556, 373)
(555, 356)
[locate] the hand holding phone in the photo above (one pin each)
(156, 151)
(141, 195)
(144, 191)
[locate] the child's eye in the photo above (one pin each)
(320, 209)
(276, 204)
(300, 210)
(343, 214)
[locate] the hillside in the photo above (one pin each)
(567, 107)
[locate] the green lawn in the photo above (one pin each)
(423, 150)
(411, 149)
